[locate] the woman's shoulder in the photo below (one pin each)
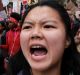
(20, 73)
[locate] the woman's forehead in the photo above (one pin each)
(43, 11)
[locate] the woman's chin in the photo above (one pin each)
(40, 66)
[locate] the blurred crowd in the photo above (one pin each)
(9, 39)
(75, 26)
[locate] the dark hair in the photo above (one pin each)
(69, 64)
(16, 16)
(75, 29)
(3, 23)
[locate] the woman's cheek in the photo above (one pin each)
(23, 40)
(53, 40)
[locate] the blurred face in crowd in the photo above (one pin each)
(43, 38)
(11, 25)
(77, 37)
(77, 14)
(70, 14)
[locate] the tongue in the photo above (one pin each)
(39, 53)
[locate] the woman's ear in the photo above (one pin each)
(68, 42)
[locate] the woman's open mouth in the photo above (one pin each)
(38, 52)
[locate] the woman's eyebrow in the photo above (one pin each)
(28, 22)
(49, 21)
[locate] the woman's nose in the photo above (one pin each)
(37, 34)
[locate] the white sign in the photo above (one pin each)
(3, 14)
(5, 2)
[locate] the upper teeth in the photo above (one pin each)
(36, 46)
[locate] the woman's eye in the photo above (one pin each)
(27, 27)
(48, 26)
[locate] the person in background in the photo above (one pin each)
(77, 18)
(3, 52)
(77, 39)
(75, 26)
(12, 41)
(47, 42)
(12, 36)
(76, 34)
(76, 30)
(72, 17)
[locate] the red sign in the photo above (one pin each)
(24, 2)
